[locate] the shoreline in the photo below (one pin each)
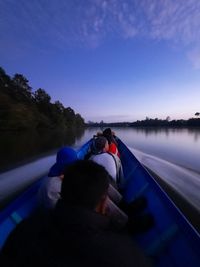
(188, 210)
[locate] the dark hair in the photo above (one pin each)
(84, 183)
(99, 143)
(107, 133)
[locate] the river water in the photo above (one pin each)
(173, 154)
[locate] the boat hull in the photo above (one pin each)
(171, 242)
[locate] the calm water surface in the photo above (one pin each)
(174, 154)
(18, 148)
(179, 146)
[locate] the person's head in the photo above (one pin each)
(108, 134)
(101, 144)
(86, 186)
(99, 133)
(107, 131)
(65, 156)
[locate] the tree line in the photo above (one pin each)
(148, 122)
(22, 108)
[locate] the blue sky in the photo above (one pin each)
(111, 60)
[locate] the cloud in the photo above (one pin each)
(173, 20)
(90, 22)
(194, 57)
(176, 21)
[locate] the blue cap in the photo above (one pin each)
(65, 156)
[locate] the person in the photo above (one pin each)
(49, 192)
(119, 218)
(123, 214)
(111, 162)
(109, 135)
(76, 233)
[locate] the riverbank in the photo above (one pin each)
(190, 212)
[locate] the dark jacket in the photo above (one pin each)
(71, 236)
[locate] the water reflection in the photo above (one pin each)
(20, 147)
(196, 133)
(177, 145)
(150, 131)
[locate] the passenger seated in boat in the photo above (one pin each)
(108, 160)
(111, 163)
(111, 141)
(75, 233)
(100, 147)
(49, 192)
(123, 214)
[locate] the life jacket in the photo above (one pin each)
(113, 149)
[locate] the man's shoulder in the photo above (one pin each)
(105, 155)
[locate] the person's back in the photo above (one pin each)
(107, 161)
(103, 158)
(108, 134)
(75, 234)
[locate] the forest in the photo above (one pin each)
(149, 122)
(22, 108)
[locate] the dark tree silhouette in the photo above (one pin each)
(22, 90)
(20, 108)
(42, 97)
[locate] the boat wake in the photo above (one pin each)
(17, 179)
(185, 181)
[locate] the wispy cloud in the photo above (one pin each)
(173, 20)
(177, 21)
(75, 22)
(194, 57)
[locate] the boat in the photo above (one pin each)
(171, 242)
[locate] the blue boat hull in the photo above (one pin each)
(171, 242)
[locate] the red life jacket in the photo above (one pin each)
(113, 149)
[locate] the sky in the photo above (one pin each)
(110, 60)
